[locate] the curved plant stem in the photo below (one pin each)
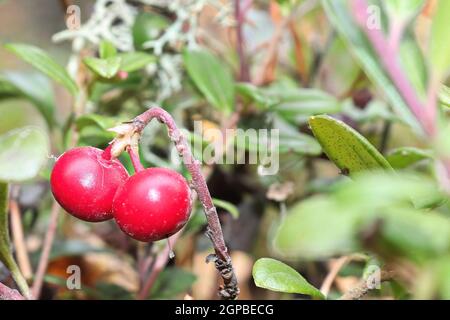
(221, 258)
(46, 248)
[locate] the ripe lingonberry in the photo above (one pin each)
(153, 204)
(84, 181)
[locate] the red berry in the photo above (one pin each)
(153, 204)
(84, 182)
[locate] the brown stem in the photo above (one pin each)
(19, 240)
(244, 73)
(362, 288)
(7, 293)
(221, 258)
(45, 254)
(337, 265)
(267, 70)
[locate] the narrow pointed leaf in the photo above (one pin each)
(34, 87)
(212, 78)
(44, 63)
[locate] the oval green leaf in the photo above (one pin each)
(105, 68)
(44, 63)
(316, 229)
(276, 276)
(348, 149)
(212, 78)
(23, 153)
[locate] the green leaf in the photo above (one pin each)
(325, 226)
(403, 9)
(317, 228)
(299, 143)
(93, 129)
(92, 119)
(171, 282)
(107, 50)
(109, 291)
(375, 110)
(338, 13)
(276, 276)
(105, 68)
(404, 157)
(414, 234)
(414, 64)
(71, 248)
(133, 61)
(444, 96)
(385, 189)
(229, 207)
(23, 153)
(212, 78)
(255, 94)
(44, 63)
(34, 87)
(6, 256)
(349, 150)
(148, 26)
(439, 45)
(297, 105)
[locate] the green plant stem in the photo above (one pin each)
(5, 253)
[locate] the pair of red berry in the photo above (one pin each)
(150, 205)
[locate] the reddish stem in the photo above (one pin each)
(221, 258)
(160, 262)
(244, 72)
(388, 56)
(46, 249)
(137, 165)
